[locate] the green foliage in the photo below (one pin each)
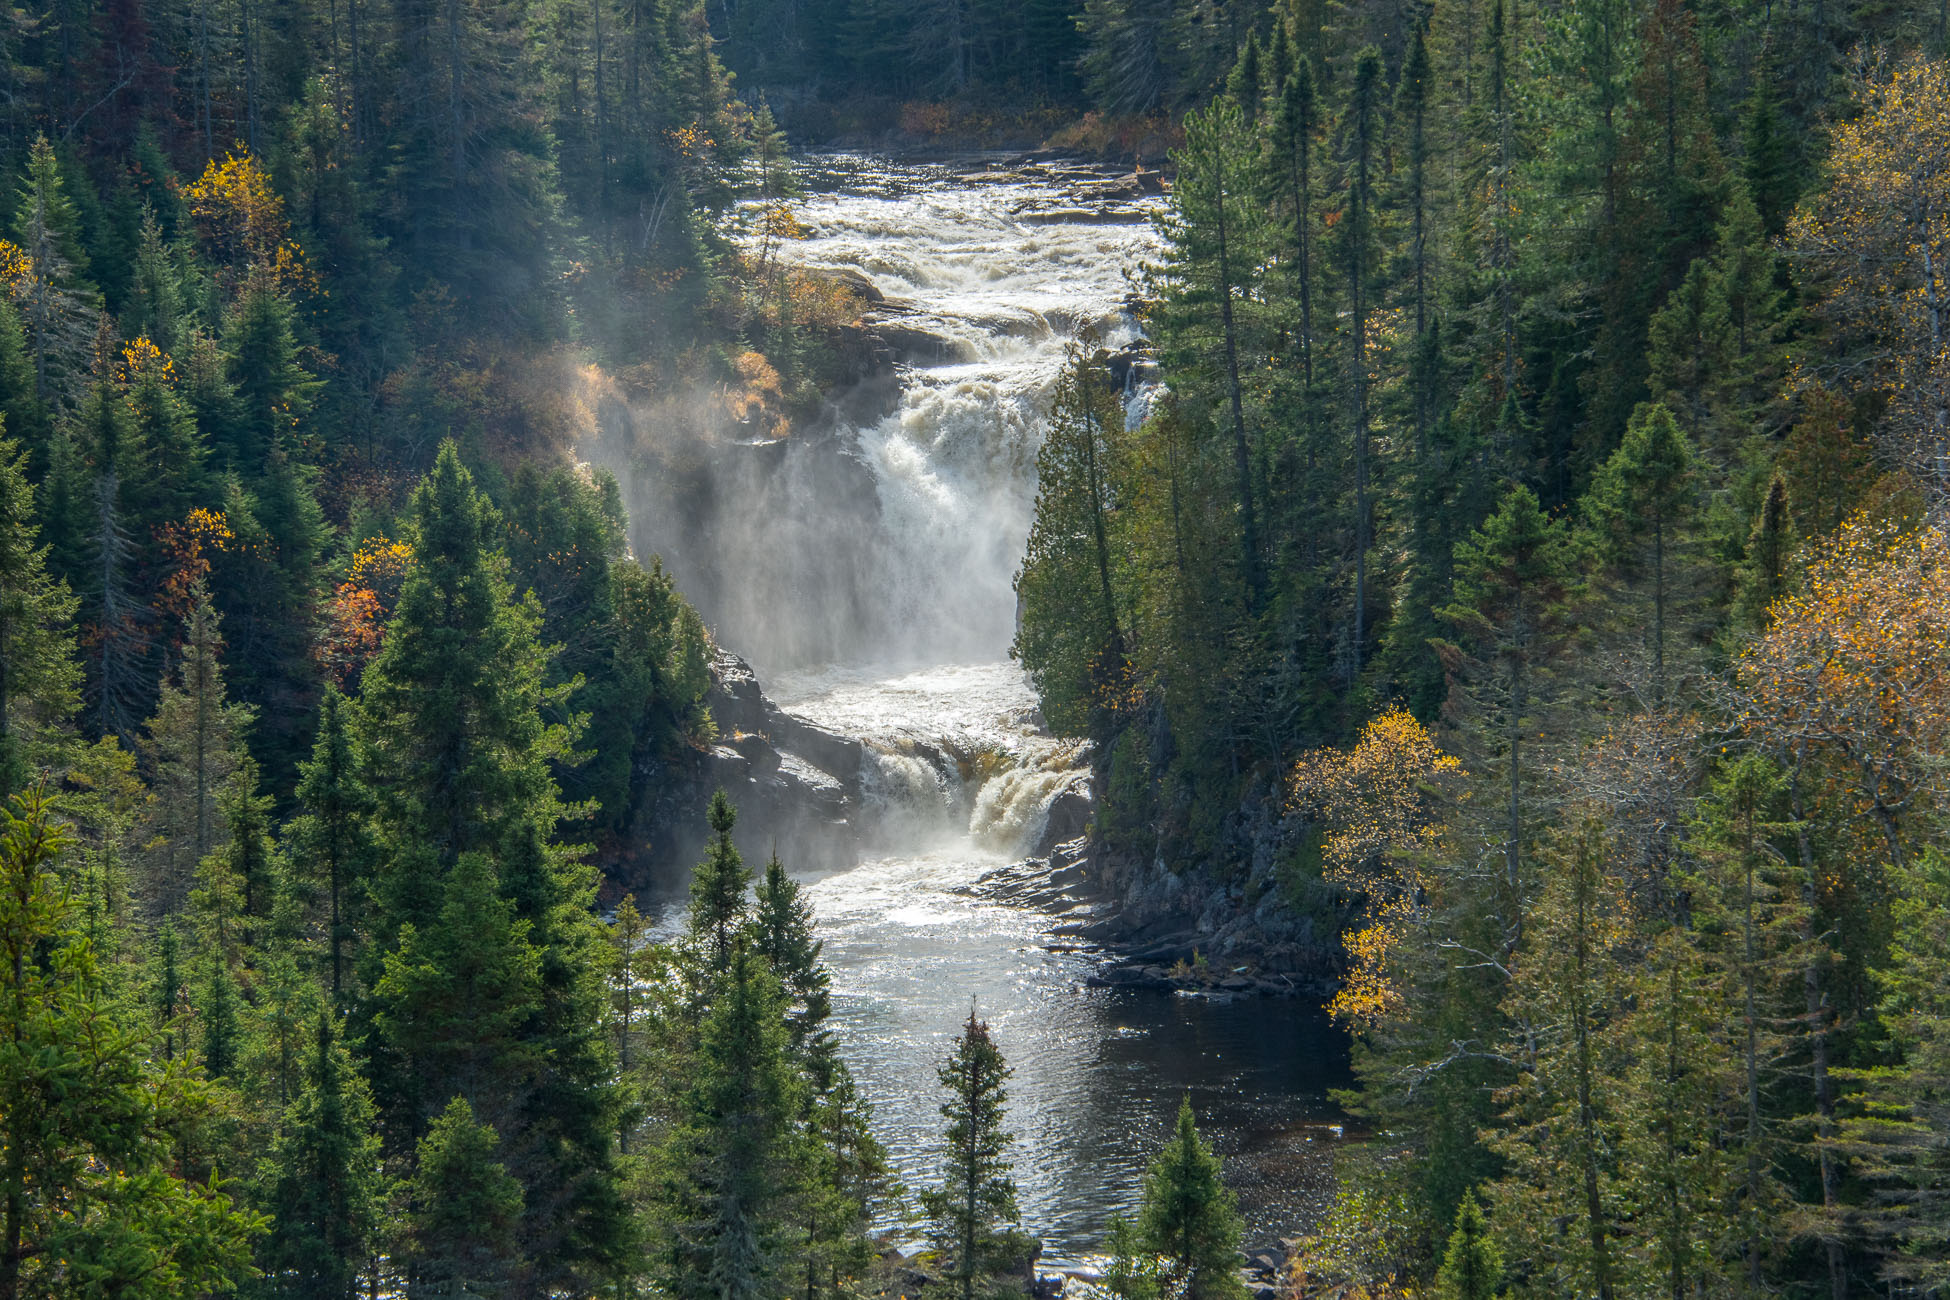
(328, 1192)
(735, 1160)
(1068, 638)
(38, 673)
(91, 1190)
(719, 907)
(1472, 1268)
(1188, 1219)
(463, 1206)
(972, 1213)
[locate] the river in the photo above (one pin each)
(1002, 266)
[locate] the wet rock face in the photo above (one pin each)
(797, 789)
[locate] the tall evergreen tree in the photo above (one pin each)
(88, 1116)
(464, 1204)
(719, 884)
(973, 1213)
(1075, 657)
(1189, 1219)
(734, 1154)
(327, 1188)
(329, 843)
(38, 673)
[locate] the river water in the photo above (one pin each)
(1003, 267)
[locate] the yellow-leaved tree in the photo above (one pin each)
(1378, 806)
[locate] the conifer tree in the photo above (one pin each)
(57, 304)
(973, 1212)
(1472, 1267)
(88, 1116)
(719, 908)
(1214, 244)
(1515, 579)
(1901, 1136)
(1559, 1202)
(1639, 505)
(455, 749)
(1363, 128)
(451, 735)
(194, 746)
(1069, 639)
(38, 674)
(453, 1003)
(329, 842)
(464, 1205)
(782, 930)
(735, 1157)
(1189, 1219)
(216, 1012)
(327, 1188)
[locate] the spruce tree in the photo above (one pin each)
(1900, 1137)
(38, 674)
(456, 751)
(329, 842)
(1069, 639)
(451, 735)
(88, 1115)
(734, 1155)
(463, 1208)
(1215, 243)
(1472, 1267)
(1190, 1219)
(719, 908)
(327, 1188)
(1640, 505)
(453, 1004)
(1515, 584)
(782, 930)
(194, 747)
(973, 1213)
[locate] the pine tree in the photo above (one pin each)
(719, 909)
(1515, 581)
(38, 674)
(464, 1204)
(1472, 1267)
(194, 746)
(734, 1154)
(1068, 638)
(88, 1117)
(1190, 1219)
(973, 1212)
(329, 842)
(327, 1189)
(1639, 505)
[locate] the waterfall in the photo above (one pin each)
(865, 569)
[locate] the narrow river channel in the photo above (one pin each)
(1002, 266)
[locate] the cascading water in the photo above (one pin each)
(892, 628)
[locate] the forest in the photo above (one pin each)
(1529, 569)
